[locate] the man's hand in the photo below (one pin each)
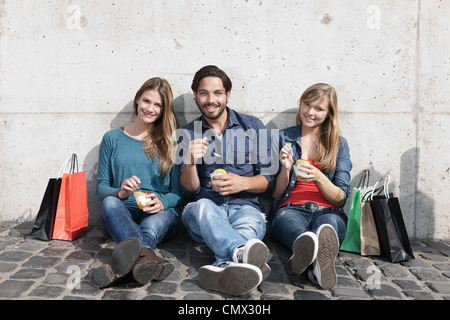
(232, 183)
(197, 149)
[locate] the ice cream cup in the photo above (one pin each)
(297, 167)
(217, 172)
(141, 199)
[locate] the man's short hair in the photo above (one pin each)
(211, 71)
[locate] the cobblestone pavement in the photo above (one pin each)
(33, 269)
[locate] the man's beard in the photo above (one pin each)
(209, 115)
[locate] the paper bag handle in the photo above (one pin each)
(364, 181)
(69, 162)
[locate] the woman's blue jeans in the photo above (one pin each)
(120, 222)
(223, 227)
(289, 222)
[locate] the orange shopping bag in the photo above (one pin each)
(71, 221)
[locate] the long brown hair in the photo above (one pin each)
(159, 140)
(329, 134)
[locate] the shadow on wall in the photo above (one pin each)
(90, 164)
(417, 208)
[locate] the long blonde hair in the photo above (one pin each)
(159, 140)
(329, 133)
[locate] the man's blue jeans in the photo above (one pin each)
(223, 227)
(289, 222)
(120, 222)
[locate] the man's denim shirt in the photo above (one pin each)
(340, 177)
(244, 149)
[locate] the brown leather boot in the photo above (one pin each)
(151, 267)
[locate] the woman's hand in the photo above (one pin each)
(154, 205)
(308, 172)
(286, 156)
(129, 186)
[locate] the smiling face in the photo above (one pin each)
(313, 114)
(211, 97)
(149, 107)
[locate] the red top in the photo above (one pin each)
(307, 191)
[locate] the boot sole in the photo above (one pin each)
(123, 259)
(149, 271)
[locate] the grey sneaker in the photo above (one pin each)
(304, 252)
(324, 268)
(230, 277)
(256, 253)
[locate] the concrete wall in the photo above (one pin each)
(68, 70)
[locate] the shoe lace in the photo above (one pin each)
(240, 255)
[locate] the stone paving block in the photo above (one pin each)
(274, 297)
(56, 278)
(28, 274)
(15, 256)
(190, 285)
(441, 245)
(419, 295)
(416, 263)
(385, 291)
(200, 296)
(392, 270)
(162, 287)
(29, 245)
(267, 287)
(428, 275)
(349, 292)
(89, 246)
(407, 285)
(119, 295)
(79, 256)
(6, 267)
(44, 291)
(14, 288)
(347, 282)
(86, 288)
(442, 266)
(41, 262)
(156, 297)
(441, 288)
(434, 257)
(309, 295)
(54, 251)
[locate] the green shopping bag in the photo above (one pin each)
(352, 240)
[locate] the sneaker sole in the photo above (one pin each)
(328, 250)
(257, 255)
(237, 279)
(304, 253)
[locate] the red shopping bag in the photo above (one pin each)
(72, 215)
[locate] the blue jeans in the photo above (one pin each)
(223, 227)
(120, 222)
(289, 222)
